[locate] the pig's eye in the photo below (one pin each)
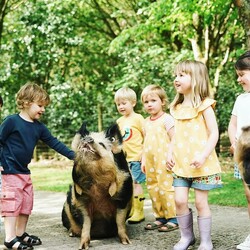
(102, 144)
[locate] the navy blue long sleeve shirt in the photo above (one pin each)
(18, 139)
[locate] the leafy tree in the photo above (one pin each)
(171, 31)
(83, 51)
(244, 14)
(7, 6)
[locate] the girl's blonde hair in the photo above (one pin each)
(29, 93)
(200, 82)
(125, 93)
(157, 90)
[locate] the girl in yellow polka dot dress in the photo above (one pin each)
(193, 159)
(158, 131)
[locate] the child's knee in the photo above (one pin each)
(179, 203)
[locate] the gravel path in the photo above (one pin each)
(230, 227)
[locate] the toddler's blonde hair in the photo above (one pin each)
(125, 93)
(157, 90)
(200, 82)
(29, 93)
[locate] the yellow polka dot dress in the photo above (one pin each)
(159, 179)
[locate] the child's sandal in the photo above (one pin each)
(21, 246)
(31, 240)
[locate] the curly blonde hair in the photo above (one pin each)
(29, 93)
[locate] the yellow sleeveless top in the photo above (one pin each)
(190, 139)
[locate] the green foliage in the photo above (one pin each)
(81, 52)
(225, 96)
(168, 32)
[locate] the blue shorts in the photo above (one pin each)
(137, 175)
(201, 183)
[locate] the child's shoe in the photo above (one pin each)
(245, 245)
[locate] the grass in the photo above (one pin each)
(56, 177)
(231, 194)
(51, 176)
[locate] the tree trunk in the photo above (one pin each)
(99, 111)
(3, 6)
(244, 14)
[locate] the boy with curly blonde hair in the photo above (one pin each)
(19, 134)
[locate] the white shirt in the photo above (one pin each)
(241, 110)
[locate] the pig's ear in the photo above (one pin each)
(113, 133)
(83, 130)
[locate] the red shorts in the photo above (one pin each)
(17, 195)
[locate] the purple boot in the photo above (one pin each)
(204, 224)
(187, 233)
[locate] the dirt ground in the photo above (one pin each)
(230, 227)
